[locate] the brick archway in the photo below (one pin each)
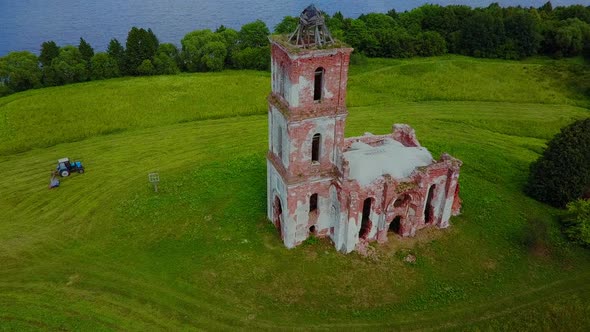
(398, 213)
(402, 201)
(277, 215)
(366, 222)
(429, 213)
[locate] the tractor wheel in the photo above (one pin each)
(64, 173)
(81, 170)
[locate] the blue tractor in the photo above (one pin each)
(65, 167)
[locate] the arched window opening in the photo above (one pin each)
(315, 147)
(395, 225)
(366, 221)
(313, 203)
(312, 230)
(429, 210)
(318, 84)
(402, 201)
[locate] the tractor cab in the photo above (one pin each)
(65, 167)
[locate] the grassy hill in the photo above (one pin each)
(104, 252)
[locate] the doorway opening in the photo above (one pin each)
(366, 221)
(278, 214)
(395, 225)
(429, 211)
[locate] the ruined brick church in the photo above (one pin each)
(352, 190)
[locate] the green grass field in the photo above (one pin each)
(104, 252)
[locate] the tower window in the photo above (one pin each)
(318, 83)
(313, 203)
(315, 147)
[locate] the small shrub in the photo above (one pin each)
(358, 58)
(146, 68)
(577, 222)
(561, 174)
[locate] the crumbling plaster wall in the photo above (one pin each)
(276, 187)
(278, 135)
(301, 134)
(340, 201)
(402, 133)
(296, 73)
(386, 192)
(323, 218)
(452, 203)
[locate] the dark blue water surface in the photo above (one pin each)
(25, 24)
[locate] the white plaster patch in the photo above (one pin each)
(302, 213)
(324, 213)
(368, 163)
(351, 235)
(280, 138)
(296, 91)
(288, 94)
(444, 223)
(327, 93)
(438, 197)
(269, 188)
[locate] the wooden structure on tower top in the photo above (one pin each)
(312, 30)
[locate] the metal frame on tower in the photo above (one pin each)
(312, 30)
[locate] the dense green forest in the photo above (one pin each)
(492, 32)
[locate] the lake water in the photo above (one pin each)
(25, 24)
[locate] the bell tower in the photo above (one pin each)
(306, 118)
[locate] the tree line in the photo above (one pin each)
(142, 55)
(491, 32)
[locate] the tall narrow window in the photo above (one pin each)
(318, 83)
(315, 147)
(313, 203)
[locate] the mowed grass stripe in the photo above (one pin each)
(77, 112)
(57, 115)
(148, 150)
